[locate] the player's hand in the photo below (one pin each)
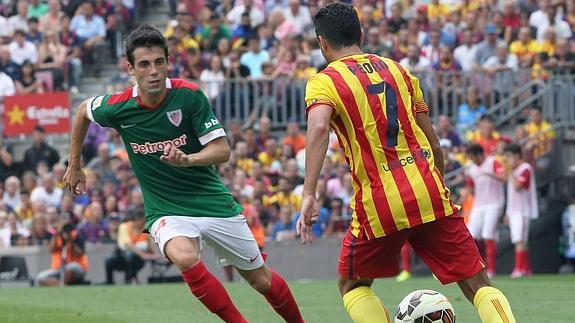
(303, 230)
(174, 156)
(309, 210)
(75, 180)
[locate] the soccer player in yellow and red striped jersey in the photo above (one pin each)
(376, 108)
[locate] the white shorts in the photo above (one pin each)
(230, 238)
(483, 221)
(519, 227)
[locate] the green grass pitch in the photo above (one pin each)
(537, 299)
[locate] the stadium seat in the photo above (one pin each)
(13, 269)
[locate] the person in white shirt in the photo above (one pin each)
(235, 15)
(47, 193)
(21, 49)
(298, 15)
(500, 68)
(20, 19)
(522, 206)
(7, 86)
(485, 178)
(414, 61)
(213, 77)
(465, 53)
(11, 194)
(13, 234)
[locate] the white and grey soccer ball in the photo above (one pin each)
(425, 306)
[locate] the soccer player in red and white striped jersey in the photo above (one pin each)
(521, 206)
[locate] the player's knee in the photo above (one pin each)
(260, 279)
(185, 260)
(345, 285)
(471, 285)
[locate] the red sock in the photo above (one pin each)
(526, 262)
(518, 261)
(280, 298)
(208, 289)
(405, 258)
(491, 250)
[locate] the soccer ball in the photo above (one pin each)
(425, 306)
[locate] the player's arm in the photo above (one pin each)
(75, 179)
(424, 122)
(317, 141)
(215, 152)
(522, 181)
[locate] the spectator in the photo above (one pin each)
(6, 156)
(102, 163)
(292, 173)
(122, 78)
(47, 193)
(51, 20)
(40, 150)
(255, 14)
(437, 10)
(39, 235)
(541, 132)
(21, 49)
(338, 222)
(73, 53)
(4, 29)
(37, 9)
(445, 130)
(134, 248)
(485, 135)
(415, 62)
(13, 234)
(471, 111)
(465, 54)
(486, 48)
(52, 58)
(373, 43)
(28, 181)
(555, 22)
(236, 70)
(525, 48)
(34, 35)
(284, 228)
(19, 21)
(68, 258)
(91, 32)
(285, 66)
(11, 195)
(298, 15)
(7, 65)
(563, 59)
(215, 31)
(93, 227)
(255, 57)
(281, 26)
(499, 67)
(243, 31)
(294, 138)
(7, 86)
(213, 78)
(395, 20)
(303, 69)
(431, 51)
(28, 83)
(270, 153)
(451, 164)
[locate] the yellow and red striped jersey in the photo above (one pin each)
(396, 184)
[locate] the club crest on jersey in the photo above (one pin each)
(175, 117)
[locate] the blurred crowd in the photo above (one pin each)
(47, 45)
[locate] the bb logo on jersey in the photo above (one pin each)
(154, 147)
(175, 117)
(212, 123)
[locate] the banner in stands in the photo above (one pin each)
(24, 112)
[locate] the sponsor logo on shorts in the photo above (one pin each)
(154, 147)
(421, 154)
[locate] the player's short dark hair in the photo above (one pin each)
(339, 24)
(486, 118)
(474, 150)
(513, 148)
(145, 36)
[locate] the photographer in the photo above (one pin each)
(69, 260)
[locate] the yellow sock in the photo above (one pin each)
(493, 306)
(363, 306)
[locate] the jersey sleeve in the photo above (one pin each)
(99, 112)
(417, 100)
(318, 91)
(204, 122)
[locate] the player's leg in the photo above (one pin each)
(234, 244)
(405, 263)
(447, 247)
(73, 273)
(488, 233)
(360, 261)
(49, 277)
(519, 227)
(178, 239)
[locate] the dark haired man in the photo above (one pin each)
(174, 140)
(377, 109)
